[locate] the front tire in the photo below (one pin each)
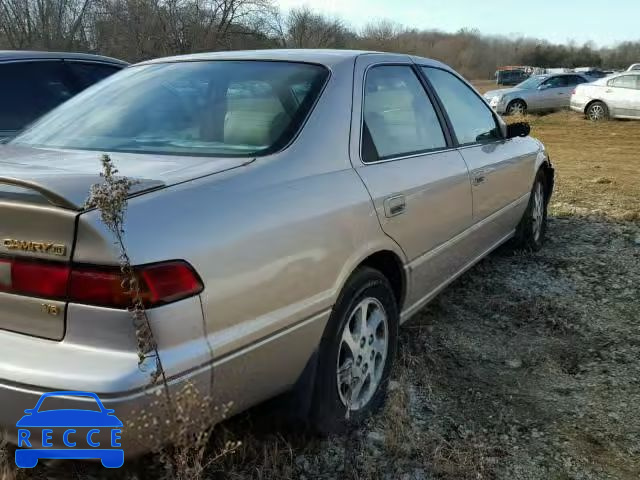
(517, 107)
(356, 354)
(597, 111)
(532, 228)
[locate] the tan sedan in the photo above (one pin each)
(292, 209)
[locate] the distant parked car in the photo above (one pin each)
(613, 97)
(538, 93)
(32, 83)
(510, 77)
(635, 66)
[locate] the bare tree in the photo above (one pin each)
(47, 24)
(140, 29)
(307, 29)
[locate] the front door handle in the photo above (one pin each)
(480, 176)
(394, 205)
(477, 180)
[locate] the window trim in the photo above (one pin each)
(75, 78)
(609, 83)
(444, 126)
(456, 141)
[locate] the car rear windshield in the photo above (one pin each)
(208, 108)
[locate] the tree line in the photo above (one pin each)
(135, 30)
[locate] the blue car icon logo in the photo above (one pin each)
(84, 433)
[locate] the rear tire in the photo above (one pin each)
(517, 107)
(597, 111)
(355, 357)
(532, 228)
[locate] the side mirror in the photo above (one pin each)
(518, 129)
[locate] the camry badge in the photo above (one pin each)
(38, 247)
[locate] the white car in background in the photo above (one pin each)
(617, 96)
(635, 66)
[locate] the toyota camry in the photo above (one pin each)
(291, 209)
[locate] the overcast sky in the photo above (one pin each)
(603, 22)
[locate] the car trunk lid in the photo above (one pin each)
(42, 194)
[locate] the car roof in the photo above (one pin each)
(327, 57)
(623, 74)
(19, 55)
(564, 74)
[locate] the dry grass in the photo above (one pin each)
(597, 165)
(485, 85)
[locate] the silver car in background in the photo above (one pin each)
(538, 93)
(292, 209)
(617, 96)
(635, 66)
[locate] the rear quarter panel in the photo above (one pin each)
(273, 242)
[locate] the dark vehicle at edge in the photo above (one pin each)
(511, 77)
(33, 83)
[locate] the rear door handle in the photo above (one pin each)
(394, 205)
(480, 175)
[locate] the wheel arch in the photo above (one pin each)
(391, 266)
(518, 99)
(594, 100)
(386, 258)
(549, 177)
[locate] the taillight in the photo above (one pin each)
(159, 283)
(46, 280)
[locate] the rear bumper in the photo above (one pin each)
(243, 378)
(578, 104)
(98, 355)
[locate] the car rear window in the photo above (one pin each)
(89, 73)
(209, 108)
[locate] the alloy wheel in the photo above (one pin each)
(596, 112)
(362, 353)
(516, 108)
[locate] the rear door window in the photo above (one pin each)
(625, 81)
(87, 73)
(399, 118)
(557, 82)
(29, 90)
